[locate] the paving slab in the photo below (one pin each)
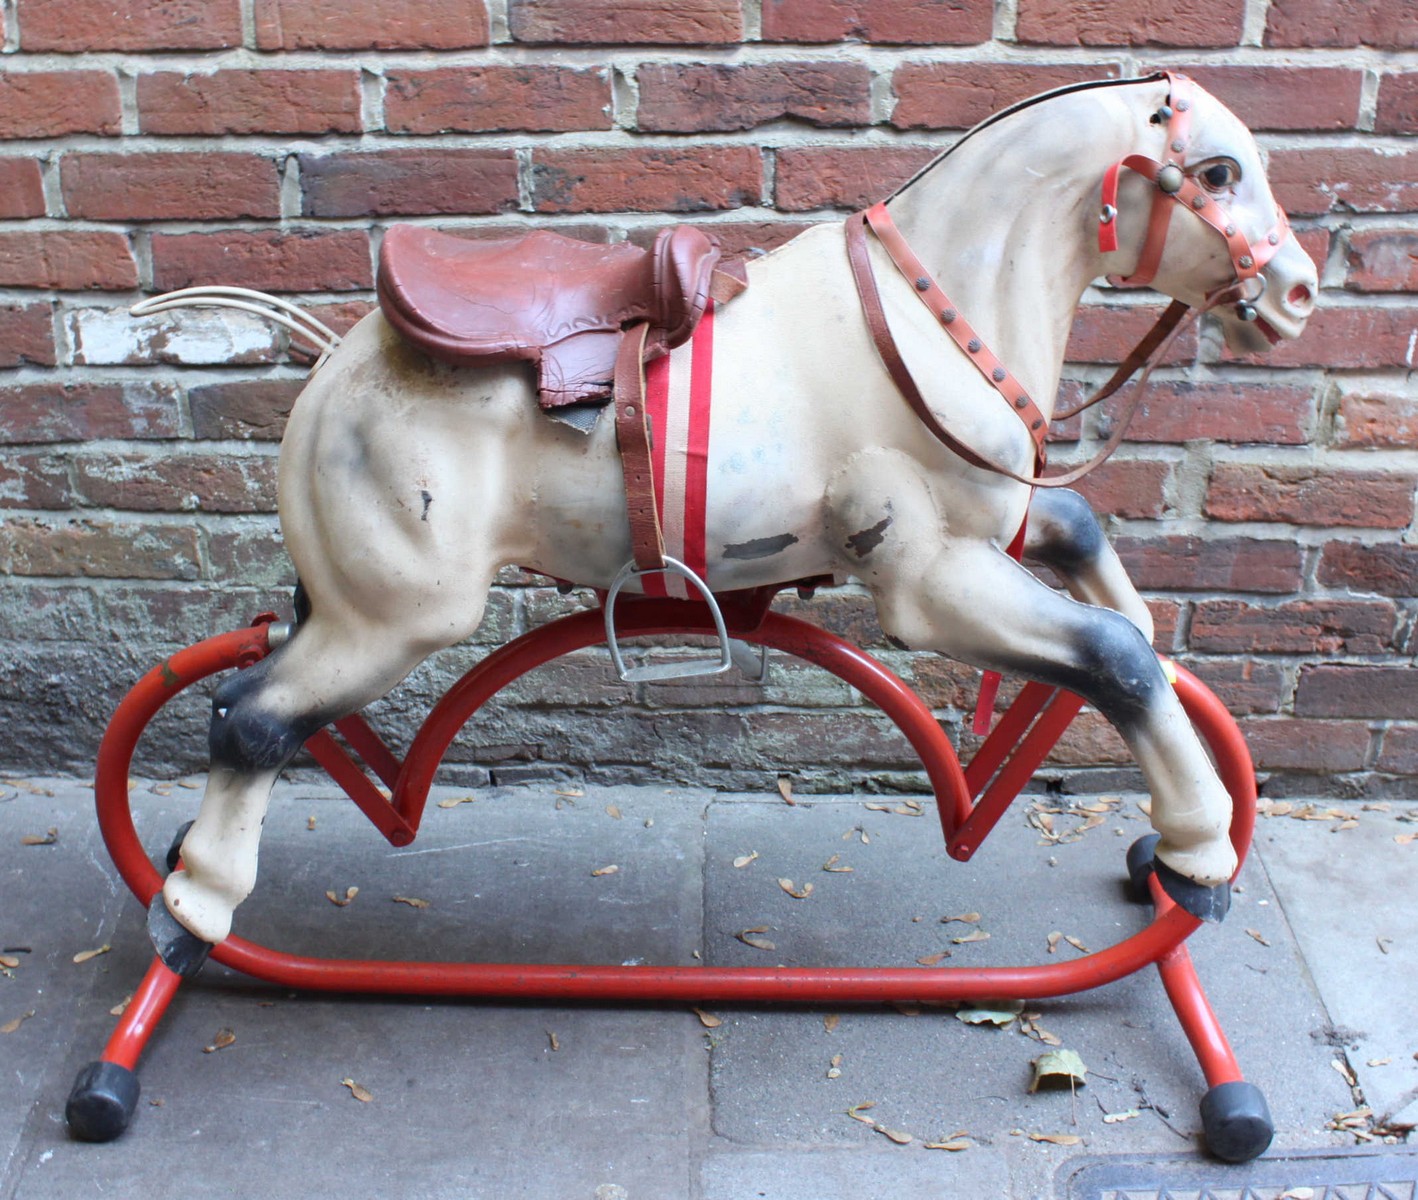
(1352, 897)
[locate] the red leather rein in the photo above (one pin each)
(1172, 185)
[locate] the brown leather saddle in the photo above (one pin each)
(539, 297)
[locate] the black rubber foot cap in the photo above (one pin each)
(1236, 1121)
(1204, 903)
(1140, 855)
(182, 952)
(102, 1102)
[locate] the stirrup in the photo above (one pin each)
(680, 669)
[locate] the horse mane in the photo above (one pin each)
(1020, 106)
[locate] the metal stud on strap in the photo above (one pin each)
(679, 669)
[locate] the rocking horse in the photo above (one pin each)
(863, 423)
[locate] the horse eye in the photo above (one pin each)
(1219, 176)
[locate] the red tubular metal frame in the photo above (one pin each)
(970, 802)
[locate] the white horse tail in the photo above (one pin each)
(318, 335)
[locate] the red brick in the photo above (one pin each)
(1341, 23)
(646, 179)
(904, 22)
(1398, 103)
(178, 483)
(1319, 180)
(1185, 563)
(1181, 411)
(690, 97)
(1310, 496)
(248, 409)
(1383, 260)
(21, 188)
(67, 260)
(409, 182)
(46, 104)
(1242, 684)
(1286, 97)
(34, 481)
(102, 549)
(736, 238)
(1166, 618)
(1399, 755)
(960, 95)
(299, 261)
(1130, 22)
(79, 412)
(261, 101)
(85, 26)
(26, 335)
(481, 99)
(1342, 690)
(1356, 336)
(1313, 747)
(251, 557)
(1381, 420)
(1296, 627)
(1106, 333)
(1388, 568)
(170, 185)
(851, 177)
(370, 25)
(627, 22)
(1089, 741)
(847, 615)
(1132, 488)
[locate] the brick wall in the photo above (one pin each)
(1266, 507)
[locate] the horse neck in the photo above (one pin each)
(1007, 224)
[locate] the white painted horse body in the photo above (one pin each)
(405, 485)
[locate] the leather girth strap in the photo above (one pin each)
(632, 431)
(1151, 350)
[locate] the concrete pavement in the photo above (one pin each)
(1316, 965)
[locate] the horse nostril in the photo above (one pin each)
(1299, 297)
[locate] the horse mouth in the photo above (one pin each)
(1269, 331)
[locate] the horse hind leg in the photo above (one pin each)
(260, 718)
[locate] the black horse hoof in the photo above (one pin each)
(1203, 902)
(174, 852)
(1140, 855)
(102, 1102)
(182, 952)
(1236, 1121)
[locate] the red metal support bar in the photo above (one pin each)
(370, 746)
(141, 1017)
(1005, 736)
(357, 786)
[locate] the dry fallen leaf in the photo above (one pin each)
(122, 1006)
(751, 937)
(1076, 944)
(1298, 1193)
(1001, 1013)
(1116, 1117)
(831, 1021)
(569, 793)
(832, 864)
(899, 1136)
(707, 1019)
(223, 1039)
(190, 784)
(1056, 1139)
(1350, 823)
(797, 893)
(970, 918)
(350, 894)
(1378, 1062)
(1054, 939)
(454, 801)
(834, 1068)
(362, 1094)
(310, 824)
(607, 870)
(552, 1040)
(1058, 1066)
(35, 839)
(1405, 839)
(613, 812)
(976, 935)
(933, 960)
(9, 960)
(785, 789)
(11, 1026)
(855, 1112)
(85, 955)
(1260, 937)
(1344, 1072)
(744, 859)
(411, 901)
(953, 1145)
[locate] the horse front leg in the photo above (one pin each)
(1063, 533)
(967, 599)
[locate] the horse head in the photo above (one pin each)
(1191, 213)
